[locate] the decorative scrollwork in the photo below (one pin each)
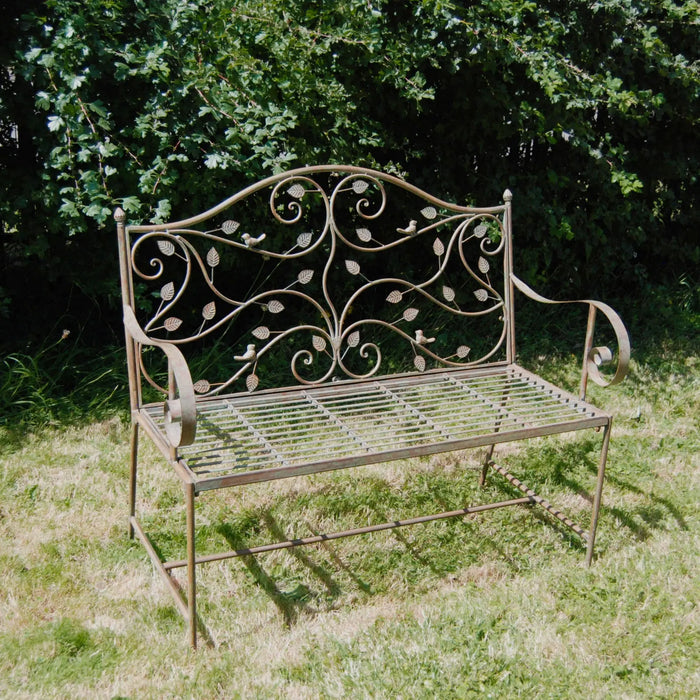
(325, 263)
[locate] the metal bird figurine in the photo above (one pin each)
(250, 355)
(250, 241)
(410, 229)
(421, 339)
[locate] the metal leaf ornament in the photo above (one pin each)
(480, 231)
(304, 240)
(364, 234)
(274, 306)
(448, 293)
(463, 351)
(354, 339)
(481, 294)
(360, 186)
(410, 314)
(305, 276)
(213, 258)
(438, 247)
(252, 382)
(229, 227)
(202, 386)
(429, 213)
(209, 311)
(172, 323)
(167, 291)
(484, 266)
(261, 332)
(352, 267)
(296, 191)
(394, 297)
(319, 343)
(166, 247)
(419, 362)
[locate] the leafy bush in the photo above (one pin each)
(587, 111)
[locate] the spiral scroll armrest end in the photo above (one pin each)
(180, 412)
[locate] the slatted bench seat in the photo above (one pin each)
(399, 337)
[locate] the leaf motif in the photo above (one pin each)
(261, 332)
(274, 306)
(481, 294)
(172, 323)
(359, 186)
(202, 386)
(354, 339)
(352, 267)
(305, 276)
(463, 351)
(484, 266)
(410, 314)
(167, 291)
(438, 247)
(480, 231)
(394, 297)
(304, 240)
(166, 247)
(252, 382)
(319, 343)
(209, 311)
(213, 257)
(296, 191)
(419, 362)
(448, 293)
(230, 226)
(364, 234)
(429, 213)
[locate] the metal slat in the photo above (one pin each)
(353, 422)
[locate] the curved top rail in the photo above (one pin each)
(312, 170)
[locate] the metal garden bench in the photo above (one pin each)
(333, 317)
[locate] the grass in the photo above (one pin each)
(494, 605)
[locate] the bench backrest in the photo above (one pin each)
(318, 274)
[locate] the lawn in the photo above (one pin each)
(493, 605)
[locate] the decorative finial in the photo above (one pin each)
(507, 196)
(119, 215)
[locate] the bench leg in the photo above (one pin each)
(598, 493)
(486, 464)
(134, 448)
(191, 575)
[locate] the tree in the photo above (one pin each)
(587, 111)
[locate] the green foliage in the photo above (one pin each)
(587, 111)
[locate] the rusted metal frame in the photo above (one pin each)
(315, 539)
(158, 564)
(596, 355)
(588, 346)
(599, 492)
(144, 420)
(492, 447)
(191, 565)
(336, 420)
(267, 445)
(273, 473)
(181, 414)
(539, 500)
(133, 473)
(509, 309)
(312, 170)
(558, 391)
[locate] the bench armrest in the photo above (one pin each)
(594, 357)
(181, 412)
